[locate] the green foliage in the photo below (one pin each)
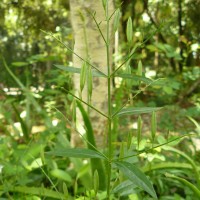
(145, 155)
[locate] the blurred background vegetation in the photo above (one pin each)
(28, 120)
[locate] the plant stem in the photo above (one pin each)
(109, 136)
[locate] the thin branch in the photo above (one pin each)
(101, 113)
(93, 16)
(139, 91)
(68, 48)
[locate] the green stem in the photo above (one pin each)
(109, 136)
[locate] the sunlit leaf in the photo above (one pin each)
(136, 176)
(83, 75)
(139, 72)
(61, 174)
(129, 30)
(116, 19)
(19, 64)
(65, 190)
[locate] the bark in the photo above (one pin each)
(90, 45)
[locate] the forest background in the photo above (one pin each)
(35, 112)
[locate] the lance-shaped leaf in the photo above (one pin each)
(136, 176)
(129, 30)
(137, 111)
(74, 110)
(129, 140)
(96, 181)
(125, 188)
(135, 78)
(83, 75)
(153, 126)
(139, 72)
(65, 190)
(76, 153)
(139, 130)
(128, 81)
(104, 3)
(61, 174)
(77, 70)
(90, 82)
(116, 19)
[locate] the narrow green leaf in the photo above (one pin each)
(195, 123)
(129, 140)
(76, 153)
(83, 75)
(96, 181)
(135, 78)
(104, 3)
(121, 154)
(65, 190)
(90, 82)
(129, 30)
(137, 111)
(88, 125)
(96, 164)
(22, 123)
(77, 70)
(124, 188)
(74, 110)
(19, 64)
(167, 165)
(35, 191)
(136, 176)
(139, 72)
(186, 183)
(153, 126)
(128, 71)
(139, 131)
(116, 19)
(61, 174)
(25, 89)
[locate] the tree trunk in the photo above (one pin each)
(90, 46)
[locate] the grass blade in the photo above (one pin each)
(135, 78)
(96, 163)
(185, 182)
(136, 111)
(76, 153)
